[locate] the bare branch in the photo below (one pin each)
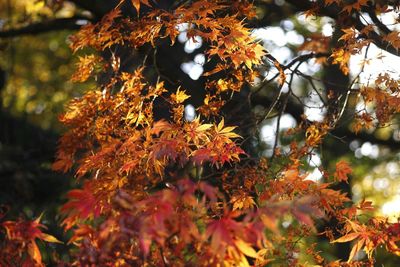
(97, 8)
(382, 27)
(305, 57)
(72, 23)
(333, 11)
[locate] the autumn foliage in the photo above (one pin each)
(175, 192)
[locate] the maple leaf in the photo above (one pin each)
(179, 97)
(232, 241)
(270, 222)
(201, 155)
(130, 165)
(81, 205)
(304, 209)
(222, 85)
(349, 34)
(341, 57)
(242, 202)
(347, 238)
(364, 120)
(342, 171)
(313, 135)
(357, 247)
(359, 4)
(203, 127)
(34, 253)
(220, 232)
(63, 163)
(85, 67)
(154, 213)
(348, 8)
(394, 229)
(330, 2)
(82, 231)
(363, 236)
(196, 132)
(161, 126)
(27, 232)
(365, 205)
(225, 131)
(245, 248)
(393, 38)
(136, 4)
(211, 192)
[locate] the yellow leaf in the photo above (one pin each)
(34, 252)
(227, 129)
(347, 238)
(341, 57)
(136, 4)
(49, 238)
(269, 222)
(313, 135)
(245, 248)
(220, 125)
(248, 63)
(179, 97)
(222, 85)
(38, 219)
(355, 249)
(203, 127)
(243, 262)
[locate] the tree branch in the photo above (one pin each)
(305, 57)
(72, 23)
(97, 8)
(334, 12)
(382, 27)
(342, 132)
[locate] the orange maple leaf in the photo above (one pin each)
(342, 171)
(136, 3)
(393, 39)
(330, 2)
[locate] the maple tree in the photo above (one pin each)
(160, 188)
